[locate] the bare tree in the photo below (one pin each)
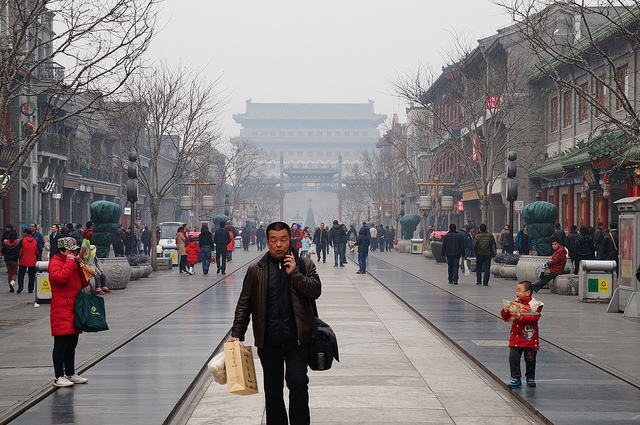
(588, 39)
(481, 108)
(266, 197)
(373, 180)
(169, 117)
(243, 166)
(100, 43)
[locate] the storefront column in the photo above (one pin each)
(605, 212)
(586, 209)
(556, 197)
(571, 198)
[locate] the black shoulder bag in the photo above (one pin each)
(323, 344)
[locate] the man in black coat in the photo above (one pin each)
(221, 238)
(572, 239)
(321, 239)
(261, 238)
(453, 249)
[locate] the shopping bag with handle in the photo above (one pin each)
(241, 371)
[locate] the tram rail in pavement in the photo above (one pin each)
(26, 369)
(587, 367)
(147, 377)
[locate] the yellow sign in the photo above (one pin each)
(44, 285)
(603, 285)
(174, 255)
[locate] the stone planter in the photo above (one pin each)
(117, 271)
(427, 254)
(495, 269)
(404, 246)
(436, 250)
(146, 270)
(528, 267)
(136, 272)
(508, 271)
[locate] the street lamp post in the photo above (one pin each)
(197, 183)
(436, 185)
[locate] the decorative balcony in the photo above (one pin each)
(54, 143)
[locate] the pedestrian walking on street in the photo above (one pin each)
(221, 239)
(53, 239)
(610, 245)
(181, 243)
(276, 292)
(66, 279)
(344, 241)
(524, 244)
(11, 253)
(453, 249)
(363, 243)
(261, 238)
(146, 235)
(585, 247)
(572, 246)
(389, 236)
(484, 246)
(337, 238)
(373, 235)
(35, 232)
(193, 252)
(321, 239)
(28, 256)
(523, 315)
(506, 240)
(205, 241)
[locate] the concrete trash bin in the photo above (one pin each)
(596, 279)
(416, 246)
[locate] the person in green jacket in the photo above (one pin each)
(484, 245)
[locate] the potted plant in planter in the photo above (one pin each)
(436, 245)
(505, 265)
(140, 265)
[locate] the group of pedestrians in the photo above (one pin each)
(459, 244)
(127, 243)
(592, 244)
(21, 255)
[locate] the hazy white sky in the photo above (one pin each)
(335, 51)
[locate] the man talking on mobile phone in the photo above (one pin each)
(276, 293)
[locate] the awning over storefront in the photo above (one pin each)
(614, 145)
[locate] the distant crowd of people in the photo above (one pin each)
(587, 244)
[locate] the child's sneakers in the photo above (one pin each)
(514, 383)
(531, 382)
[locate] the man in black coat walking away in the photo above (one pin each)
(321, 239)
(572, 240)
(453, 249)
(221, 238)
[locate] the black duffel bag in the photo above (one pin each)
(323, 343)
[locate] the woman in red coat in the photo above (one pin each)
(67, 279)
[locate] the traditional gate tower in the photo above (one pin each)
(314, 143)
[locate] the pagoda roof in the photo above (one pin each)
(309, 111)
(310, 171)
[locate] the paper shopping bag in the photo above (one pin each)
(467, 269)
(241, 372)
